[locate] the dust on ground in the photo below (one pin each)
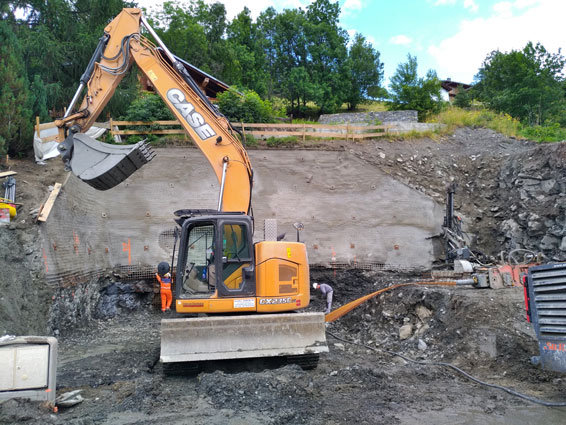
(113, 358)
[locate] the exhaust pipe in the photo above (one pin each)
(102, 165)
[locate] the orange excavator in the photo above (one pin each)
(219, 268)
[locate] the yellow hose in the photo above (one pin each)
(339, 312)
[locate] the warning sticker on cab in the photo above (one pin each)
(247, 303)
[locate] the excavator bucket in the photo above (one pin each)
(248, 336)
(102, 165)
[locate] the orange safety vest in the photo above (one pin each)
(165, 282)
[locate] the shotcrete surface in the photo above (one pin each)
(352, 211)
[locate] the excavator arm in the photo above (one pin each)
(102, 165)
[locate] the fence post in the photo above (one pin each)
(37, 125)
(243, 132)
(348, 131)
(111, 128)
(304, 126)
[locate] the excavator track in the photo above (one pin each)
(305, 361)
(182, 369)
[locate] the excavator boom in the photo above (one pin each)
(121, 46)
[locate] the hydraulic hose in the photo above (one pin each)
(341, 311)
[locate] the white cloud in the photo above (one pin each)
(401, 40)
(468, 4)
(511, 26)
(351, 5)
(503, 9)
(471, 4)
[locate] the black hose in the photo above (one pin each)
(457, 369)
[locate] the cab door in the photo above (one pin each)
(236, 263)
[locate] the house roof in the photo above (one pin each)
(449, 85)
(210, 85)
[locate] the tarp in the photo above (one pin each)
(47, 150)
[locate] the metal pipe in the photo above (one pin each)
(158, 40)
(224, 168)
(74, 100)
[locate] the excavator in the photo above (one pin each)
(233, 298)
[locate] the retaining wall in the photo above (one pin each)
(354, 214)
(384, 117)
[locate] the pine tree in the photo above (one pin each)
(16, 128)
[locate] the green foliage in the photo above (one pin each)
(463, 98)
(527, 84)
(39, 96)
(503, 123)
(457, 117)
(365, 71)
(248, 108)
(16, 129)
(409, 92)
(250, 141)
(148, 107)
(277, 142)
(550, 133)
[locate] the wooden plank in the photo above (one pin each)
(324, 126)
(276, 133)
(49, 139)
(329, 135)
(7, 174)
(126, 132)
(52, 125)
(118, 123)
(44, 213)
(367, 135)
(46, 125)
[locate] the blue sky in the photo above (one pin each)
(453, 37)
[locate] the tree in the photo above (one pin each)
(16, 129)
(409, 92)
(463, 98)
(526, 84)
(365, 70)
(242, 35)
(182, 34)
(327, 53)
(39, 97)
(249, 107)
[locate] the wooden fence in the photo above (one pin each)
(303, 131)
(261, 131)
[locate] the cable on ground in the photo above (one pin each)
(457, 369)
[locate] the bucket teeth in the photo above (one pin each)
(104, 166)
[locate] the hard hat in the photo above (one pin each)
(163, 268)
(315, 285)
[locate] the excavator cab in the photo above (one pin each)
(215, 258)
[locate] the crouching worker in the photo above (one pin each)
(325, 290)
(164, 278)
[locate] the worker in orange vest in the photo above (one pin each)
(164, 278)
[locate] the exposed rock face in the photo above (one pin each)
(533, 187)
